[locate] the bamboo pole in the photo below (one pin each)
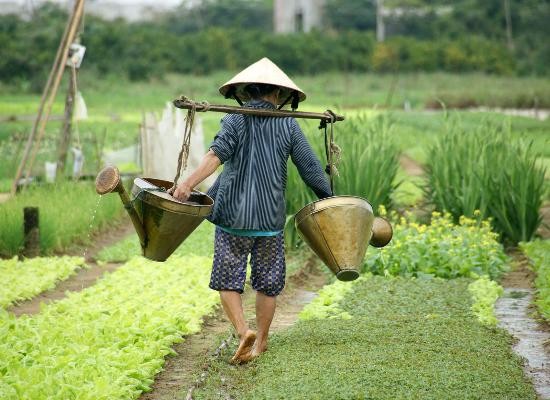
(66, 130)
(201, 107)
(75, 23)
(38, 118)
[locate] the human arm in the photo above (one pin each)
(308, 165)
(208, 165)
(221, 150)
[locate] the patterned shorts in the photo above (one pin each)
(267, 261)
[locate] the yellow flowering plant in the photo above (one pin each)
(442, 249)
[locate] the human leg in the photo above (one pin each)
(268, 279)
(265, 310)
(233, 308)
(228, 277)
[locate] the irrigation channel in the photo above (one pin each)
(515, 313)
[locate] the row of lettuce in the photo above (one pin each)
(29, 277)
(107, 341)
(25, 279)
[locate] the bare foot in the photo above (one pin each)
(245, 346)
(251, 355)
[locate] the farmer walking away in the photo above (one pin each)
(249, 209)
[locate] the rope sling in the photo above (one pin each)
(189, 122)
(332, 150)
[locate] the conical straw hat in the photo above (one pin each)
(263, 71)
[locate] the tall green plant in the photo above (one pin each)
(370, 160)
(487, 170)
(69, 212)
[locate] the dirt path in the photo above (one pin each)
(514, 311)
(4, 197)
(193, 356)
(102, 239)
(544, 229)
(85, 277)
(410, 166)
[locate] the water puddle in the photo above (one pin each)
(92, 219)
(539, 114)
(512, 310)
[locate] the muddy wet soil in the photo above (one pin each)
(516, 314)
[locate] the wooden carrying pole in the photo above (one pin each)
(50, 91)
(198, 106)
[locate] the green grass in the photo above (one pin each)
(407, 339)
(409, 192)
(539, 253)
(417, 130)
(69, 212)
(330, 89)
(115, 106)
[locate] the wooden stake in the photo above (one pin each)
(31, 232)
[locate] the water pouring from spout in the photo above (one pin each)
(161, 222)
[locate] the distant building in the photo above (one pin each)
(131, 10)
(291, 16)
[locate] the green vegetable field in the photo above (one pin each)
(445, 133)
(400, 338)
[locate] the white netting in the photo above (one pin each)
(126, 159)
(161, 143)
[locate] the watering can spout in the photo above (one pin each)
(161, 222)
(108, 181)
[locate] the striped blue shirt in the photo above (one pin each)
(250, 192)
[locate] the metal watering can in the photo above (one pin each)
(161, 222)
(339, 229)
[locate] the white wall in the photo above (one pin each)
(286, 11)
